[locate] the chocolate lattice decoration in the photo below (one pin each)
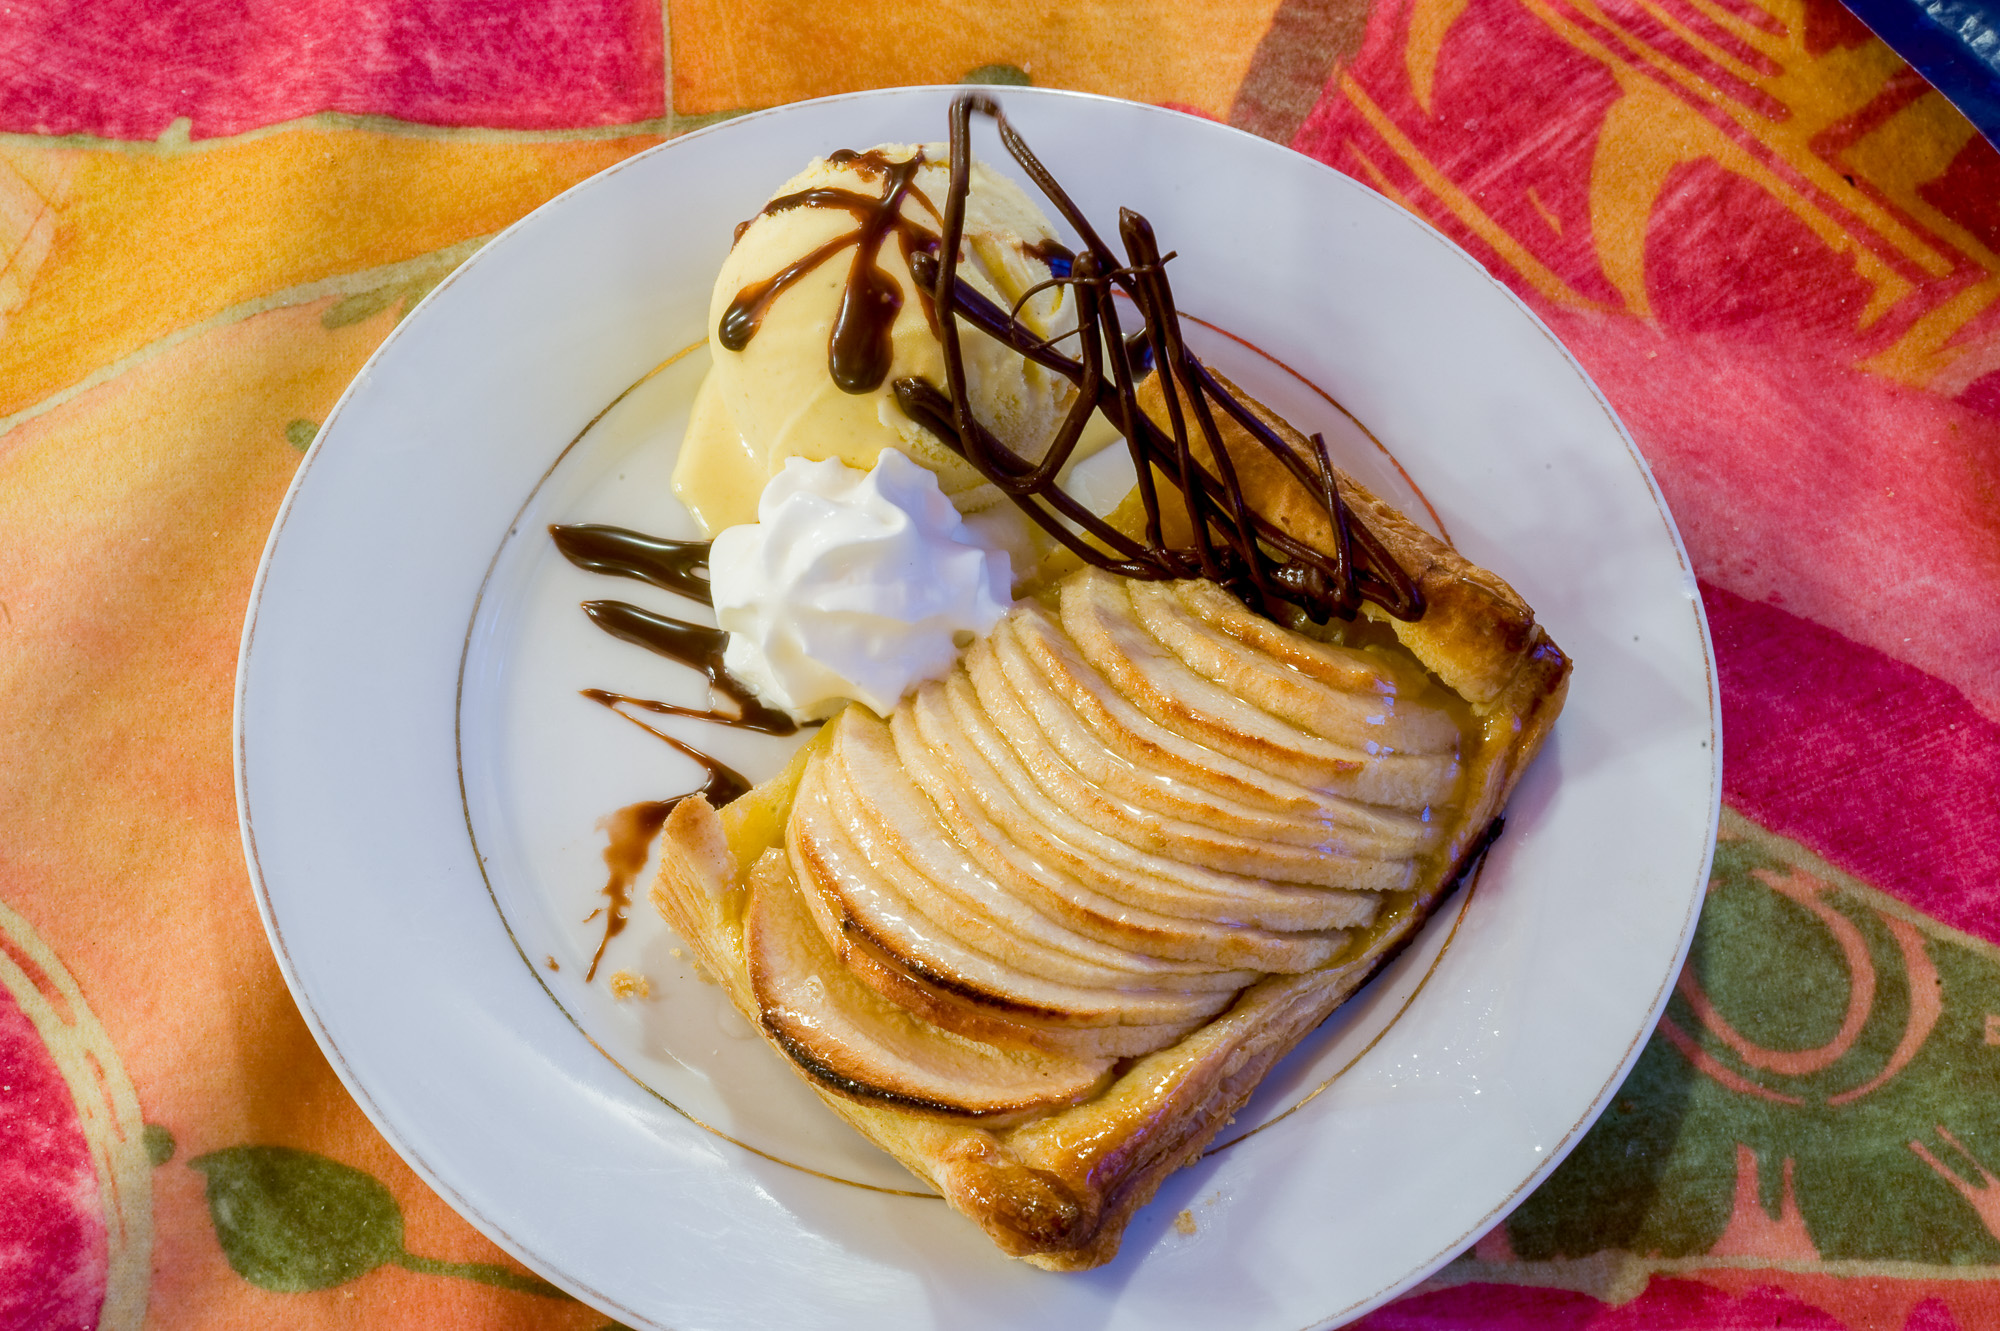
(1233, 545)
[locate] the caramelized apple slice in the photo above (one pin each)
(849, 1040)
(863, 901)
(1097, 614)
(1350, 669)
(936, 875)
(1137, 736)
(1101, 734)
(889, 787)
(1104, 864)
(1373, 720)
(1352, 862)
(940, 1007)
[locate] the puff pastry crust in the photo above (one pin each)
(1068, 1130)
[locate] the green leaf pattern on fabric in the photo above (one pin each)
(1004, 76)
(404, 294)
(1822, 1088)
(292, 1221)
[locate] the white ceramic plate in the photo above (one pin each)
(420, 783)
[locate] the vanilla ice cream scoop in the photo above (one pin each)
(815, 316)
(851, 584)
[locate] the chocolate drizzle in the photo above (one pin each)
(631, 830)
(1052, 252)
(1233, 545)
(724, 782)
(693, 645)
(860, 350)
(677, 566)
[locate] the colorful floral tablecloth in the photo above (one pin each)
(1774, 246)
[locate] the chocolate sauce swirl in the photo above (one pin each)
(860, 349)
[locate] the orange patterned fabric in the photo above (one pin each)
(1775, 248)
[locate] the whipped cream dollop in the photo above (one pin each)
(852, 584)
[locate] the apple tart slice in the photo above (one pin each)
(1040, 932)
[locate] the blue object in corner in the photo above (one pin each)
(1955, 44)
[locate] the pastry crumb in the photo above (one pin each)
(552, 963)
(624, 985)
(1184, 1222)
(674, 952)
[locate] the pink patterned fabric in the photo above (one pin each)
(52, 1262)
(130, 70)
(1888, 772)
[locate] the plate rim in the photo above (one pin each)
(518, 1248)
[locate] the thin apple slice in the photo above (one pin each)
(1042, 663)
(890, 978)
(1142, 740)
(1171, 840)
(907, 845)
(1030, 714)
(1171, 818)
(864, 902)
(1375, 721)
(940, 1007)
(1199, 942)
(1105, 865)
(1035, 720)
(1351, 669)
(848, 1039)
(1097, 615)
(1286, 881)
